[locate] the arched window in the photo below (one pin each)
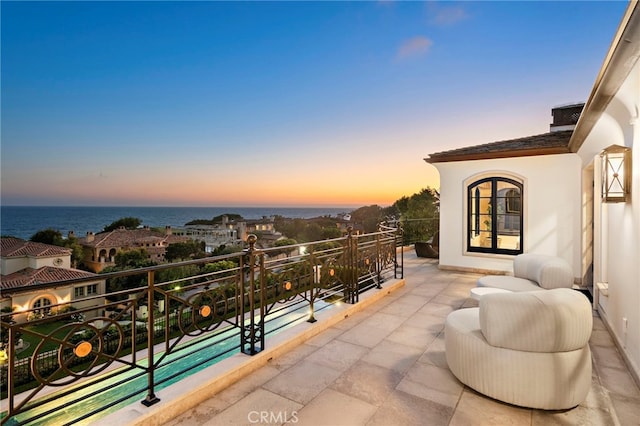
(494, 216)
(42, 306)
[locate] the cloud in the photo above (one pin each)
(447, 15)
(416, 46)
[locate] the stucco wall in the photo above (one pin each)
(617, 226)
(551, 208)
(14, 264)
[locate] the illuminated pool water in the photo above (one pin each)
(96, 400)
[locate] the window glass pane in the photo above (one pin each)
(480, 215)
(495, 219)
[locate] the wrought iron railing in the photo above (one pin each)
(175, 312)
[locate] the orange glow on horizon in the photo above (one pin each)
(354, 187)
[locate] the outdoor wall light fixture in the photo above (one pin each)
(616, 174)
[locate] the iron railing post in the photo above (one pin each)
(315, 276)
(252, 332)
(379, 260)
(399, 237)
(351, 283)
(151, 396)
(11, 369)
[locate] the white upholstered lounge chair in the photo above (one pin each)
(525, 348)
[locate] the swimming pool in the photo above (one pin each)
(87, 402)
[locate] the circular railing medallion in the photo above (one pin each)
(205, 311)
(83, 349)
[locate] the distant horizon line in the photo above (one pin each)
(195, 206)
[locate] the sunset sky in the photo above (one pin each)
(327, 104)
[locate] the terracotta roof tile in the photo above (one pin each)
(130, 238)
(47, 274)
(543, 144)
(16, 247)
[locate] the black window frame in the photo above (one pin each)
(473, 220)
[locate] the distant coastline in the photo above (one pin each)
(24, 221)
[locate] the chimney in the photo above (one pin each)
(168, 230)
(90, 236)
(565, 117)
(71, 234)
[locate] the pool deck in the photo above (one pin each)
(384, 364)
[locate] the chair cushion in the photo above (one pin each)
(554, 320)
(507, 282)
(548, 271)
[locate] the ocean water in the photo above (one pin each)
(24, 221)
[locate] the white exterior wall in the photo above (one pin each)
(14, 264)
(617, 225)
(24, 301)
(551, 209)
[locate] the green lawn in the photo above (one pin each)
(31, 341)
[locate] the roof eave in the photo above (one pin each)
(622, 56)
(494, 155)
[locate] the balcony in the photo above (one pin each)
(377, 360)
(385, 365)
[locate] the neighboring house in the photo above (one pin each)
(27, 267)
(548, 194)
(213, 236)
(231, 232)
(99, 250)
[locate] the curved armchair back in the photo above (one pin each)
(556, 320)
(548, 271)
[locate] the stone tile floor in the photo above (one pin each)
(386, 366)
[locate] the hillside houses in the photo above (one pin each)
(99, 250)
(27, 269)
(229, 231)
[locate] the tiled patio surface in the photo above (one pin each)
(386, 366)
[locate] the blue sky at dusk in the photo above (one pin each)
(276, 103)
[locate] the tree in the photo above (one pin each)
(125, 260)
(282, 242)
(55, 238)
(9, 320)
(48, 236)
(177, 274)
(185, 250)
(221, 265)
(76, 250)
(329, 233)
(224, 249)
(126, 222)
(132, 259)
(369, 217)
(419, 215)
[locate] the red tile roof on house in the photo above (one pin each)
(543, 144)
(16, 247)
(47, 274)
(130, 238)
